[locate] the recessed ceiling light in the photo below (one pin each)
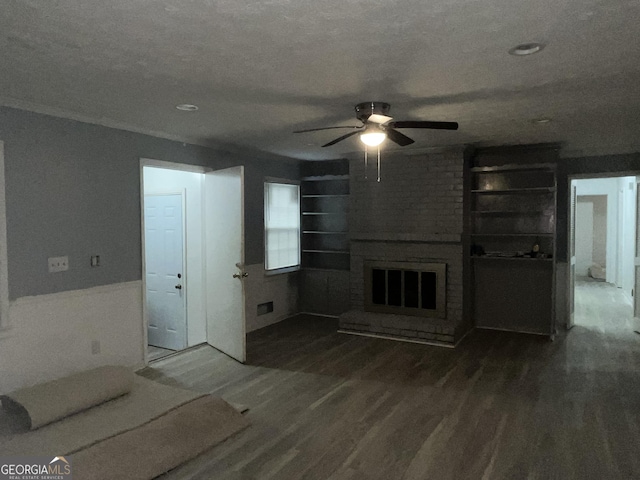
(541, 121)
(526, 49)
(186, 107)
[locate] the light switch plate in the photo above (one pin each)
(58, 264)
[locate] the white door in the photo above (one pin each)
(224, 240)
(163, 227)
(571, 307)
(583, 239)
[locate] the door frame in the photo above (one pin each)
(5, 321)
(636, 262)
(571, 260)
(149, 162)
(585, 176)
(185, 276)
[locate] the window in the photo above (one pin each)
(281, 225)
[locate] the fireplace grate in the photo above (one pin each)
(407, 289)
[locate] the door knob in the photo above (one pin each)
(178, 287)
(240, 275)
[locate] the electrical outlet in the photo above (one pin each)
(95, 260)
(58, 264)
(95, 347)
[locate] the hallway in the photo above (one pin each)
(603, 308)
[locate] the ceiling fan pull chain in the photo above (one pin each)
(366, 162)
(378, 164)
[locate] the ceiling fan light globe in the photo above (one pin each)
(373, 139)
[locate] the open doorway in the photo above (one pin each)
(603, 251)
(193, 258)
(174, 270)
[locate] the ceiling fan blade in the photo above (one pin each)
(327, 128)
(339, 139)
(398, 137)
(379, 119)
(425, 124)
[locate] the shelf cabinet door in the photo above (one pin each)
(514, 295)
(325, 260)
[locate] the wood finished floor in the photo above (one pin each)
(325, 405)
(156, 353)
(603, 307)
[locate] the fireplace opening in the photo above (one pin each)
(406, 288)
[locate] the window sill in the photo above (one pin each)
(271, 273)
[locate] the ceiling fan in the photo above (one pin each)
(378, 126)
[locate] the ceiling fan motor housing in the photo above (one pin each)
(366, 109)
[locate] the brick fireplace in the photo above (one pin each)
(412, 221)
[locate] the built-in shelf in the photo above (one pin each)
(325, 196)
(548, 235)
(517, 190)
(322, 213)
(324, 269)
(513, 196)
(545, 213)
(342, 252)
(518, 259)
(514, 167)
(325, 238)
(325, 178)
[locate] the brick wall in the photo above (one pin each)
(415, 214)
(418, 197)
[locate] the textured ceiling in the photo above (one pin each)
(260, 69)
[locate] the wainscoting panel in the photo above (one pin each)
(281, 289)
(57, 334)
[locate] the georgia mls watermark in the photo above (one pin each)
(35, 468)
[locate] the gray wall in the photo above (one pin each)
(73, 189)
(609, 165)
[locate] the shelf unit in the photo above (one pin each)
(518, 167)
(324, 277)
(513, 207)
(513, 259)
(325, 236)
(534, 234)
(515, 190)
